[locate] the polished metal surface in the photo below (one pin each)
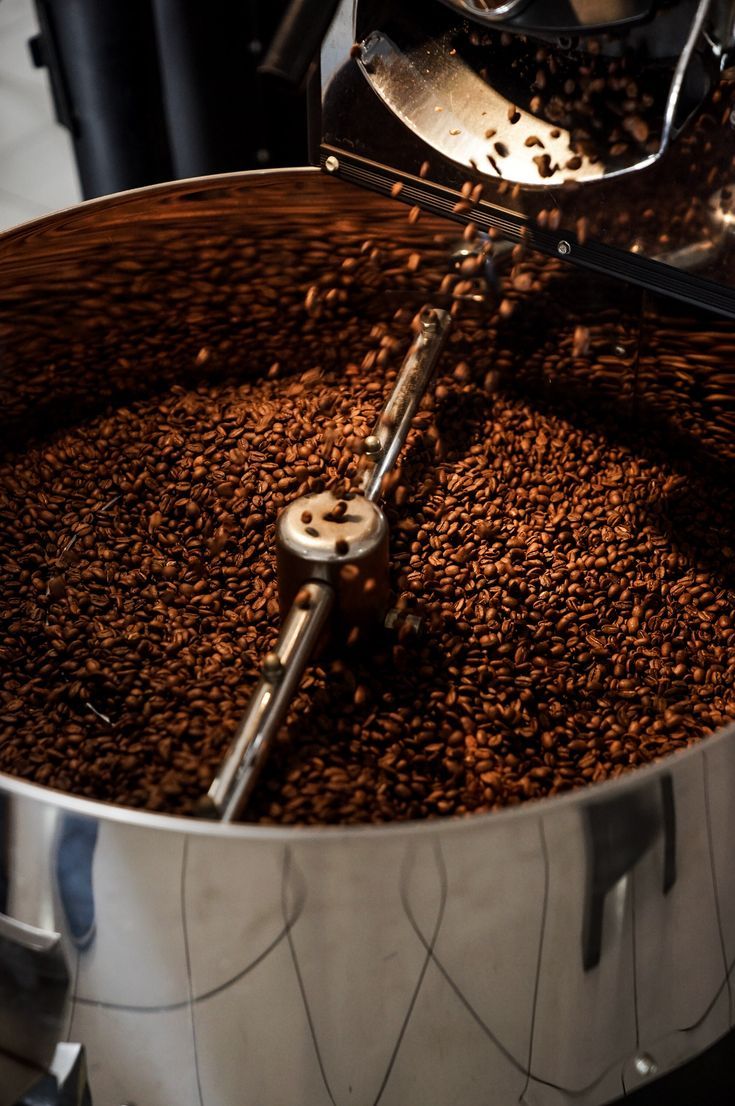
(344, 550)
(394, 421)
(556, 15)
(524, 957)
(311, 530)
(282, 670)
(417, 105)
(413, 83)
(564, 952)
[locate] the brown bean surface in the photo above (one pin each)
(576, 578)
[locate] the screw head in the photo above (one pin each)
(645, 1065)
(563, 248)
(331, 164)
(372, 446)
(272, 667)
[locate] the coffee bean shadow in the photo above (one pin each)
(697, 517)
(70, 410)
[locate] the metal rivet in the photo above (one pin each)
(645, 1065)
(331, 164)
(372, 445)
(272, 667)
(429, 321)
(563, 248)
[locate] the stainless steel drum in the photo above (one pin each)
(566, 951)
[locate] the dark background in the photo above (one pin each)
(156, 90)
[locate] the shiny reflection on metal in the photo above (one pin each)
(271, 699)
(702, 254)
(404, 621)
(64, 1084)
(492, 10)
(205, 957)
(441, 99)
(553, 16)
(645, 1065)
(394, 421)
(343, 543)
(720, 208)
(632, 215)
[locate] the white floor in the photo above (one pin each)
(37, 171)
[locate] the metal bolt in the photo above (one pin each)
(563, 248)
(645, 1065)
(272, 667)
(331, 164)
(372, 446)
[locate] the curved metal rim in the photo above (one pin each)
(118, 198)
(142, 819)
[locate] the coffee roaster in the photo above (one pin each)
(538, 107)
(566, 952)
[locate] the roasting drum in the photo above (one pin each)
(565, 951)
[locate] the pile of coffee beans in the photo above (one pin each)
(579, 597)
(575, 578)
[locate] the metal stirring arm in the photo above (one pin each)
(281, 674)
(386, 441)
(327, 569)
